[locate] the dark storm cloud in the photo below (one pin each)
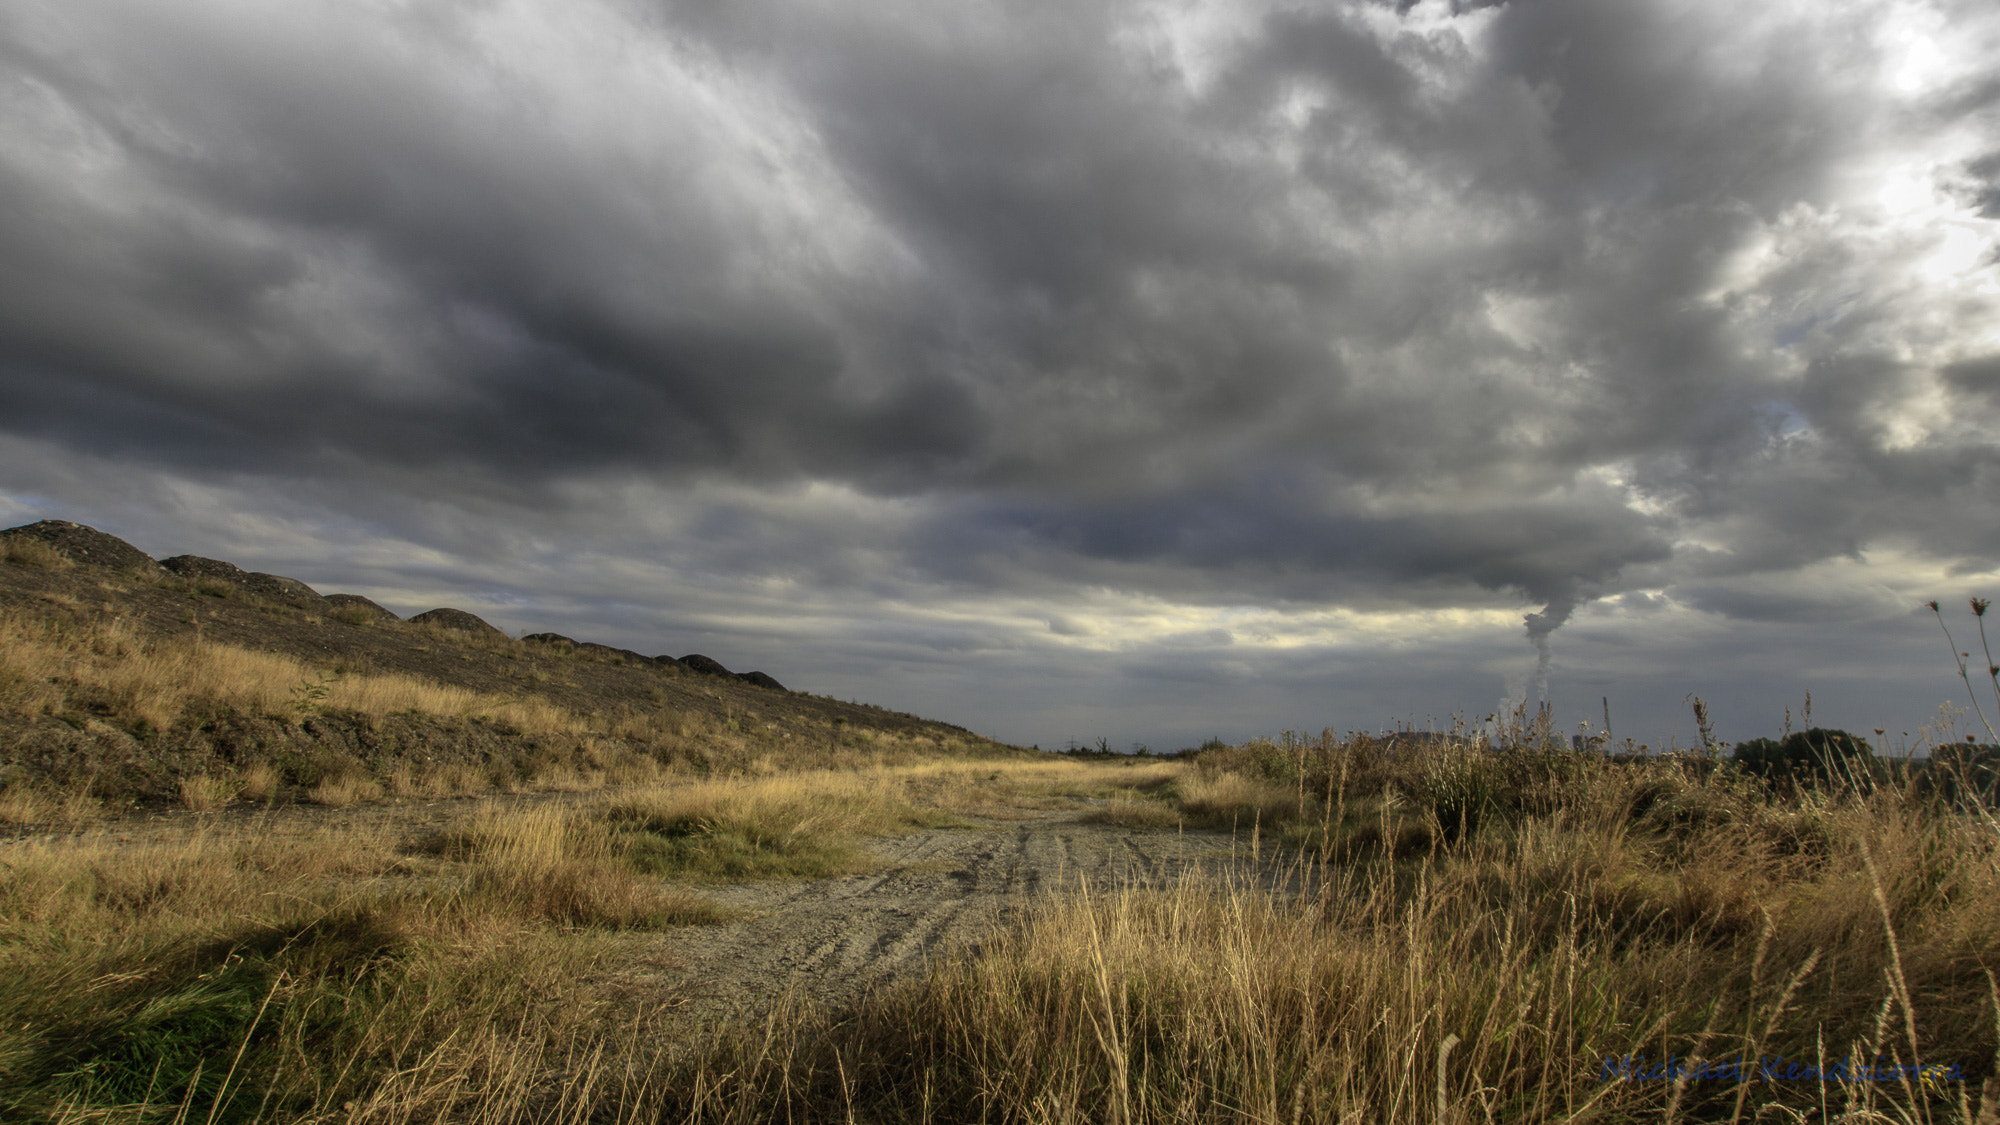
(1425, 305)
(523, 302)
(1980, 376)
(1270, 545)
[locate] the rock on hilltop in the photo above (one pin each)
(356, 601)
(446, 618)
(273, 586)
(84, 546)
(708, 666)
(696, 662)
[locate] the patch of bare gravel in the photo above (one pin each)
(936, 894)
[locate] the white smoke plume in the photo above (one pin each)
(1540, 625)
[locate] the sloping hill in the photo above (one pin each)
(194, 680)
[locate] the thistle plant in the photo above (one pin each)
(1979, 607)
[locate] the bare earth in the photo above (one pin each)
(937, 893)
(934, 894)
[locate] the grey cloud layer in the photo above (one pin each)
(1342, 303)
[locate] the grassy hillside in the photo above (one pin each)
(136, 683)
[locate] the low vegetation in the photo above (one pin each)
(268, 970)
(1420, 929)
(1440, 933)
(101, 709)
(110, 669)
(32, 553)
(1470, 935)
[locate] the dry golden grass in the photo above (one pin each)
(109, 682)
(316, 964)
(434, 782)
(359, 615)
(800, 825)
(205, 793)
(1000, 787)
(1460, 938)
(28, 804)
(1231, 800)
(20, 550)
(1587, 911)
(1128, 813)
(44, 662)
(343, 789)
(551, 864)
(259, 782)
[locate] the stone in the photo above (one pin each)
(696, 662)
(356, 601)
(457, 619)
(274, 587)
(85, 546)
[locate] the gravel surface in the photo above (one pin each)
(936, 894)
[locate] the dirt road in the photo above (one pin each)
(931, 894)
(937, 892)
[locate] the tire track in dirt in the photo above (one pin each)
(937, 893)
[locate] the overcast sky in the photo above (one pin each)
(1145, 371)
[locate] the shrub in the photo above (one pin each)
(1963, 771)
(1761, 756)
(1818, 754)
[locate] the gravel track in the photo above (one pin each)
(935, 895)
(932, 894)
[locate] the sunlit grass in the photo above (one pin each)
(1474, 940)
(47, 664)
(1455, 936)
